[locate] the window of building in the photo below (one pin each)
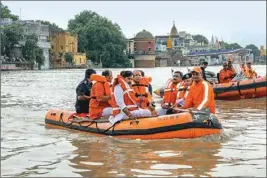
(149, 42)
(149, 49)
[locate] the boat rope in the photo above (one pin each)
(61, 120)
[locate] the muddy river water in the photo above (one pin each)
(30, 148)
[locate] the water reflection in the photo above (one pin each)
(152, 158)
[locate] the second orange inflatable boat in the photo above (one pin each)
(183, 125)
(253, 88)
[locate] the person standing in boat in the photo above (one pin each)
(201, 93)
(123, 101)
(83, 93)
(99, 105)
(250, 72)
(203, 67)
(225, 75)
(170, 93)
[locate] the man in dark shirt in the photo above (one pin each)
(203, 67)
(83, 93)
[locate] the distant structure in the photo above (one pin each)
(31, 27)
(141, 48)
(64, 46)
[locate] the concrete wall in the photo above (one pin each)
(79, 59)
(144, 61)
(161, 62)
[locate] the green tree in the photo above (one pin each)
(68, 58)
(39, 57)
(232, 46)
(6, 13)
(100, 38)
(32, 52)
(52, 26)
(29, 49)
(200, 39)
(255, 50)
(10, 36)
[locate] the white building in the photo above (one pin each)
(31, 27)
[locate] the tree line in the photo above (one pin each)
(98, 37)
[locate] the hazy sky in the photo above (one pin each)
(241, 21)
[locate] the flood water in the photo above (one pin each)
(30, 148)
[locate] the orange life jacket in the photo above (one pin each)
(128, 96)
(170, 93)
(181, 90)
(96, 107)
(186, 92)
(100, 78)
(250, 73)
(142, 92)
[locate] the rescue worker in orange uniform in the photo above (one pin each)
(99, 105)
(201, 93)
(187, 82)
(250, 72)
(123, 101)
(170, 93)
(140, 86)
(225, 75)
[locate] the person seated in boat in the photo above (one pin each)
(83, 93)
(99, 105)
(225, 75)
(250, 72)
(231, 69)
(140, 86)
(184, 90)
(123, 101)
(203, 67)
(230, 66)
(170, 92)
(201, 93)
(244, 68)
(149, 86)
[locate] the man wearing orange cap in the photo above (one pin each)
(225, 75)
(201, 93)
(250, 72)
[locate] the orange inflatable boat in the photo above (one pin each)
(183, 125)
(245, 89)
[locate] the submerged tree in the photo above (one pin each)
(32, 52)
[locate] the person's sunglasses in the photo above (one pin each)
(176, 76)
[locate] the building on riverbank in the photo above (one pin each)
(217, 57)
(64, 51)
(141, 49)
(263, 53)
(31, 27)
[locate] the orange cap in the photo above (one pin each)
(196, 69)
